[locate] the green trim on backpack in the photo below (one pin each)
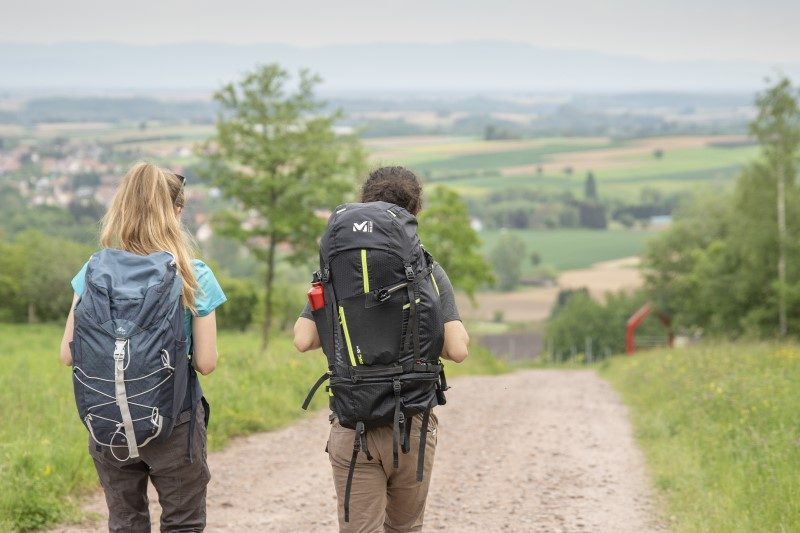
(365, 270)
(343, 320)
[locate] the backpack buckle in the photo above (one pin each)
(119, 349)
(396, 387)
(409, 273)
(326, 275)
(382, 295)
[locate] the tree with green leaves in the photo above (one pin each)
(730, 263)
(507, 256)
(276, 155)
(445, 230)
(777, 128)
(590, 187)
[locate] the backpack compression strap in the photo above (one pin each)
(399, 423)
(322, 379)
(359, 445)
(120, 347)
(413, 312)
(423, 439)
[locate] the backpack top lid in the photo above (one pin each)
(125, 275)
(378, 225)
(126, 293)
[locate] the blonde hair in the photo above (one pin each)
(142, 220)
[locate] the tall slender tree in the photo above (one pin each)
(277, 157)
(590, 187)
(777, 128)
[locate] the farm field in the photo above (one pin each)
(534, 304)
(622, 168)
(719, 426)
(43, 460)
(568, 249)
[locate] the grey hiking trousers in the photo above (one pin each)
(181, 485)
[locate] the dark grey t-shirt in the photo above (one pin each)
(447, 298)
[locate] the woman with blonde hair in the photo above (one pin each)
(141, 325)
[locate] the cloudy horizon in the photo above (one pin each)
(722, 30)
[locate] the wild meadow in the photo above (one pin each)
(720, 427)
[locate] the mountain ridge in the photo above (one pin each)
(461, 65)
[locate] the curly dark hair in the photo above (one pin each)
(397, 185)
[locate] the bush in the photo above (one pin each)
(35, 275)
(577, 317)
(238, 311)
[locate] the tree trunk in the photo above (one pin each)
(781, 253)
(268, 295)
(31, 313)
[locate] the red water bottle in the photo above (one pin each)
(316, 295)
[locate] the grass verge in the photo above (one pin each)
(720, 426)
(44, 464)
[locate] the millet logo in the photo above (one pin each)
(365, 226)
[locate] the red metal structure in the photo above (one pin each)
(636, 319)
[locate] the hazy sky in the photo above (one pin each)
(763, 30)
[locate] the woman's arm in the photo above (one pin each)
(66, 355)
(306, 336)
(204, 343)
(456, 341)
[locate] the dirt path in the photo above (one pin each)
(540, 450)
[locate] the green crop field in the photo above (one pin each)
(566, 249)
(720, 426)
(44, 464)
(622, 168)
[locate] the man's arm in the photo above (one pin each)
(456, 339)
(306, 336)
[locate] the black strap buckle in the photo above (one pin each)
(396, 386)
(382, 295)
(325, 276)
(410, 273)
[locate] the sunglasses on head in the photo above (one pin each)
(182, 178)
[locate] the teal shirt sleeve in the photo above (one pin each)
(79, 281)
(210, 295)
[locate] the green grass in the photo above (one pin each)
(720, 426)
(44, 464)
(567, 249)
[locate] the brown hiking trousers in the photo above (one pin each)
(382, 499)
(181, 485)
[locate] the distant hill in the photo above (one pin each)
(460, 66)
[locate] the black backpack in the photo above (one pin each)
(381, 326)
(130, 368)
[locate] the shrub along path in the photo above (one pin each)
(537, 450)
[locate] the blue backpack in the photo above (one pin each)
(130, 365)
